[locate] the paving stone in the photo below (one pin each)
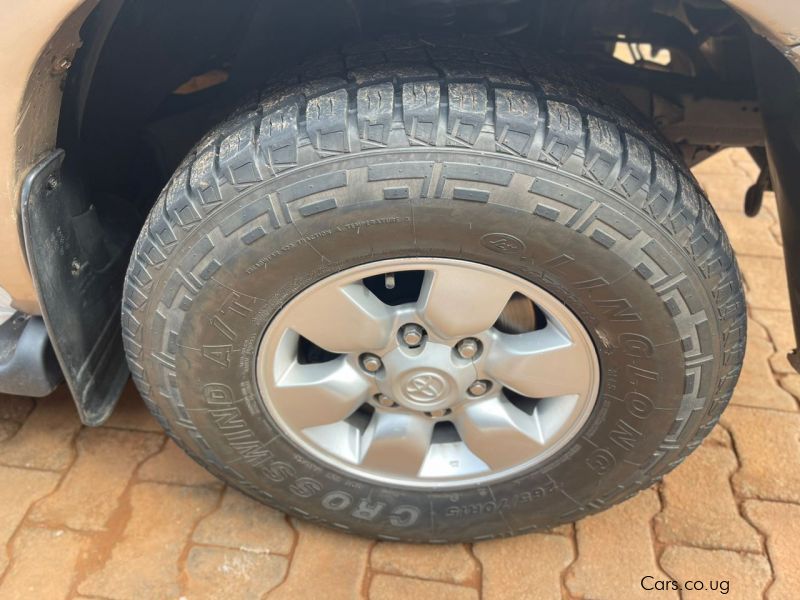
(757, 386)
(615, 550)
(756, 329)
(766, 282)
(778, 324)
(173, 465)
(222, 573)
(392, 587)
(780, 523)
(726, 193)
(36, 550)
(131, 412)
(751, 235)
(325, 564)
(15, 408)
(741, 159)
(45, 440)
(19, 489)
(719, 436)
(791, 383)
(747, 574)
(780, 363)
(720, 163)
(699, 505)
(91, 489)
(768, 446)
(528, 566)
(241, 522)
(144, 561)
(451, 563)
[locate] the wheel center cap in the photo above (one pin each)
(425, 387)
(426, 379)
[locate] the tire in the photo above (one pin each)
(455, 149)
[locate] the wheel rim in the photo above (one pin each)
(431, 391)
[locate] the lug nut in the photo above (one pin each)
(439, 413)
(371, 363)
(412, 334)
(384, 400)
(468, 348)
(478, 388)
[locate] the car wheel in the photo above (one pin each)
(435, 291)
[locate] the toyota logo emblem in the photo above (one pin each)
(426, 387)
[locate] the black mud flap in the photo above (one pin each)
(78, 276)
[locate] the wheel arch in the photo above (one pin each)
(46, 103)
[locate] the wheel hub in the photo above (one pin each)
(430, 390)
(427, 378)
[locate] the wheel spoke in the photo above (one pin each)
(540, 364)
(458, 302)
(320, 393)
(343, 319)
(396, 443)
(499, 433)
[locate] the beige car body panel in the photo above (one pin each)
(776, 20)
(38, 39)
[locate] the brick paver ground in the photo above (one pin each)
(120, 512)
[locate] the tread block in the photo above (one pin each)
(634, 176)
(421, 111)
(237, 156)
(564, 132)
(202, 180)
(468, 104)
(161, 230)
(178, 203)
(603, 149)
(375, 105)
(516, 120)
(151, 251)
(326, 122)
(277, 137)
(663, 188)
(681, 219)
